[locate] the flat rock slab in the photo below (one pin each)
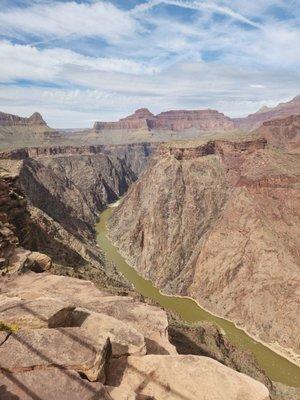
(125, 340)
(185, 377)
(49, 384)
(69, 348)
(149, 320)
(33, 314)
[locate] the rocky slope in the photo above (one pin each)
(19, 131)
(282, 132)
(57, 194)
(219, 220)
(70, 340)
(282, 110)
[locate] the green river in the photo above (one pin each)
(277, 367)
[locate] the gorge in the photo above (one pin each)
(212, 219)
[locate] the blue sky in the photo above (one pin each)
(81, 61)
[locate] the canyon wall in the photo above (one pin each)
(219, 222)
(282, 110)
(63, 190)
(175, 120)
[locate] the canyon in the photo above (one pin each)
(214, 216)
(218, 221)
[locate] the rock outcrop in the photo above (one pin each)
(140, 119)
(283, 132)
(202, 120)
(15, 120)
(175, 120)
(184, 377)
(18, 131)
(50, 200)
(217, 222)
(83, 342)
(253, 121)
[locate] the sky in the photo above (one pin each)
(81, 61)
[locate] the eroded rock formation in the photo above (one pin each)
(19, 131)
(51, 198)
(253, 121)
(218, 222)
(175, 120)
(82, 343)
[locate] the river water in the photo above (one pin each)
(277, 368)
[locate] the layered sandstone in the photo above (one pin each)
(203, 120)
(219, 221)
(175, 120)
(86, 344)
(253, 121)
(282, 132)
(140, 119)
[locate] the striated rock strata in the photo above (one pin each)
(282, 110)
(175, 120)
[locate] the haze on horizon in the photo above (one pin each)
(81, 61)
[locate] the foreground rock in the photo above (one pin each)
(185, 377)
(49, 384)
(85, 344)
(69, 348)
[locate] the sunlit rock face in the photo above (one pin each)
(216, 221)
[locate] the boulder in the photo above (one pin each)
(49, 384)
(125, 340)
(149, 320)
(67, 348)
(185, 377)
(33, 314)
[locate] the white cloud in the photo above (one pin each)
(65, 19)
(150, 58)
(52, 65)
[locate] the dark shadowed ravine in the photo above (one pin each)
(277, 368)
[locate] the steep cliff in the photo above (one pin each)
(19, 131)
(175, 120)
(282, 132)
(63, 190)
(282, 110)
(218, 222)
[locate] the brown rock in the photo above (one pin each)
(148, 320)
(253, 121)
(240, 195)
(67, 348)
(49, 384)
(124, 339)
(34, 314)
(188, 378)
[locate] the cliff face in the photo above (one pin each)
(283, 132)
(204, 120)
(17, 131)
(15, 120)
(253, 121)
(175, 120)
(64, 189)
(140, 119)
(217, 222)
